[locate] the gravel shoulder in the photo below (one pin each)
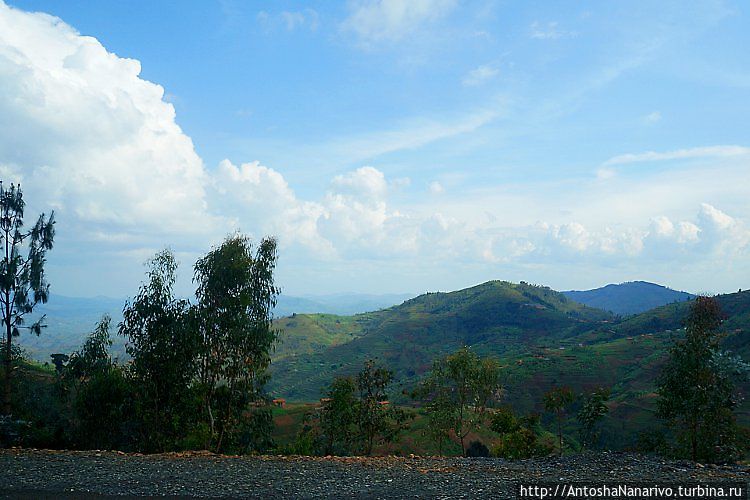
(64, 474)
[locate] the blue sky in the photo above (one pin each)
(390, 146)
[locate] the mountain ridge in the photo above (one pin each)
(630, 297)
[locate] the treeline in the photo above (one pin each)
(197, 371)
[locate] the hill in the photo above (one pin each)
(540, 336)
(340, 303)
(70, 319)
(495, 317)
(628, 298)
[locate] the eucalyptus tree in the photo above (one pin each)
(458, 390)
(557, 400)
(698, 386)
(23, 282)
(164, 349)
(236, 295)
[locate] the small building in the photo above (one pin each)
(279, 402)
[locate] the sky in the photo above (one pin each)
(389, 146)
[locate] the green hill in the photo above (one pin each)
(496, 317)
(541, 337)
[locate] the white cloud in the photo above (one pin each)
(680, 154)
(412, 135)
(365, 182)
(289, 20)
(480, 75)
(86, 134)
(374, 21)
(436, 188)
(605, 173)
(549, 31)
(297, 19)
(652, 117)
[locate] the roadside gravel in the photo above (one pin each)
(64, 474)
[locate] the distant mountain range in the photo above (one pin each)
(629, 298)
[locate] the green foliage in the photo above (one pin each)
(59, 360)
(255, 430)
(101, 395)
(504, 421)
(338, 417)
(520, 437)
(457, 391)
(103, 412)
(355, 416)
(163, 347)
(23, 282)
(557, 400)
(697, 387)
(652, 441)
(94, 356)
(236, 296)
(373, 417)
(594, 408)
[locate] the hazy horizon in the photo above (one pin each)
(389, 146)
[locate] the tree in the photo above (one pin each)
(697, 386)
(375, 417)
(236, 296)
(440, 420)
(101, 393)
(557, 400)
(163, 346)
(593, 410)
(461, 386)
(338, 417)
(23, 283)
(94, 355)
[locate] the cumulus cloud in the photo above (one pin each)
(712, 234)
(89, 136)
(374, 21)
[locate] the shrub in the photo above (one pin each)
(477, 449)
(503, 421)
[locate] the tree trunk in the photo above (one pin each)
(8, 361)
(559, 432)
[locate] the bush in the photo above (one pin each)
(504, 421)
(10, 431)
(477, 449)
(651, 441)
(515, 445)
